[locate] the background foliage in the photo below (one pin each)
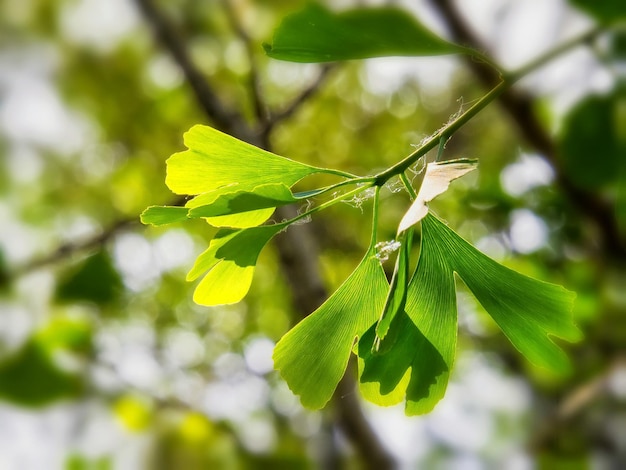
(106, 362)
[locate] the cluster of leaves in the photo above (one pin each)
(403, 331)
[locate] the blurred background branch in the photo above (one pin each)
(297, 248)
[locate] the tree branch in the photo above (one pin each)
(67, 249)
(297, 103)
(258, 104)
(519, 108)
(575, 402)
(167, 35)
(297, 249)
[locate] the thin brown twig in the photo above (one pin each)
(256, 93)
(167, 35)
(67, 249)
(298, 101)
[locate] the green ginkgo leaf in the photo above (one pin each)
(214, 160)
(236, 208)
(415, 358)
(262, 197)
(312, 357)
(316, 34)
(230, 261)
(33, 376)
(161, 215)
(527, 310)
(247, 219)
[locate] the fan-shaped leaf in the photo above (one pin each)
(416, 361)
(215, 159)
(313, 356)
(161, 215)
(230, 261)
(527, 310)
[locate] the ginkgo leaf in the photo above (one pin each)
(160, 215)
(215, 159)
(261, 197)
(230, 261)
(313, 356)
(242, 219)
(415, 363)
(239, 220)
(316, 34)
(527, 310)
(436, 181)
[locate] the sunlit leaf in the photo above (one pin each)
(416, 362)
(313, 356)
(242, 219)
(316, 34)
(436, 181)
(527, 310)
(215, 159)
(160, 215)
(230, 207)
(248, 219)
(230, 261)
(261, 197)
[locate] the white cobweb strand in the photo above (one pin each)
(384, 249)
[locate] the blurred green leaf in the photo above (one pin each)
(81, 462)
(94, 280)
(605, 11)
(32, 376)
(593, 140)
(315, 34)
